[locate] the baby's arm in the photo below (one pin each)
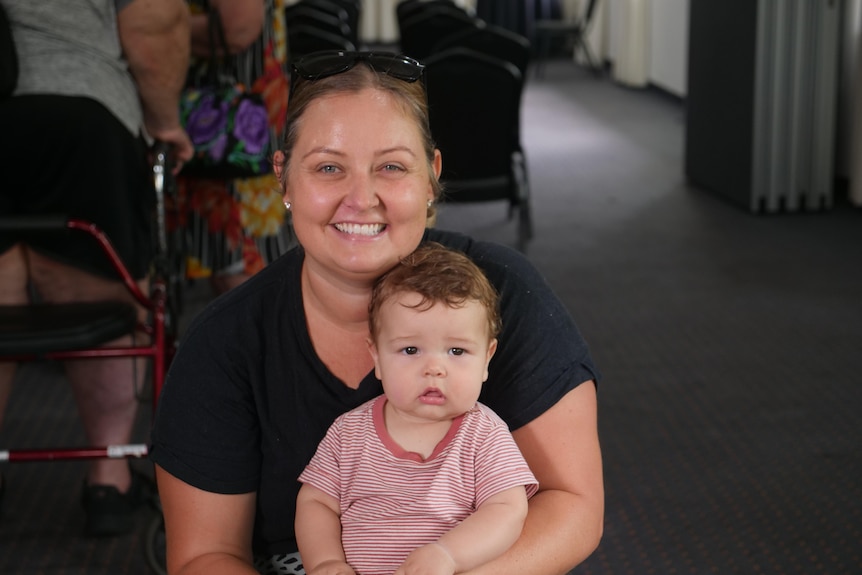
(483, 536)
(318, 533)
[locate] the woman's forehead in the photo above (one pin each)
(371, 113)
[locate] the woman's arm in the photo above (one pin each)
(318, 533)
(206, 532)
(566, 517)
(241, 20)
(482, 536)
(154, 35)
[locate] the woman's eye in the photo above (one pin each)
(457, 351)
(328, 169)
(392, 168)
(410, 350)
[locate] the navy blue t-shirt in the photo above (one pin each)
(247, 399)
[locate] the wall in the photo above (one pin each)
(668, 54)
(648, 39)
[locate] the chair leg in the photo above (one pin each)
(525, 214)
(581, 42)
(542, 51)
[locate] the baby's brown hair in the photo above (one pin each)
(439, 275)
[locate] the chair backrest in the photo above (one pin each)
(346, 10)
(302, 40)
(301, 14)
(491, 40)
(421, 31)
(475, 112)
(407, 8)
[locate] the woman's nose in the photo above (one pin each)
(362, 194)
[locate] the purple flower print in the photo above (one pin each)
(207, 119)
(218, 146)
(250, 126)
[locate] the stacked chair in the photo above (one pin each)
(348, 11)
(491, 40)
(407, 8)
(314, 25)
(426, 23)
(475, 74)
(475, 113)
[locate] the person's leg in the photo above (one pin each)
(13, 291)
(105, 389)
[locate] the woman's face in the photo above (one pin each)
(358, 185)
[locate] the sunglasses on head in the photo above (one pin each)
(319, 65)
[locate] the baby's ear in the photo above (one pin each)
(492, 347)
(372, 349)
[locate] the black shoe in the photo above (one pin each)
(109, 512)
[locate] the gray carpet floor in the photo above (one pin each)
(730, 346)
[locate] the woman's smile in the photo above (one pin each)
(360, 229)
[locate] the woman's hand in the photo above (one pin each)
(332, 568)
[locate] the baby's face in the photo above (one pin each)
(433, 361)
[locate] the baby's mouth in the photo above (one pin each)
(432, 396)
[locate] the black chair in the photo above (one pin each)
(547, 31)
(302, 40)
(407, 8)
(345, 10)
(302, 14)
(422, 30)
(475, 113)
(491, 40)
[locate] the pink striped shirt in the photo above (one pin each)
(393, 501)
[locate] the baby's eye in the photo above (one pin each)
(410, 350)
(457, 351)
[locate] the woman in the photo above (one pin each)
(265, 370)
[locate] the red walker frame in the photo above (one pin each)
(159, 348)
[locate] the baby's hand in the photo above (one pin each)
(333, 568)
(431, 559)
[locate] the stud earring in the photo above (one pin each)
(430, 203)
(287, 206)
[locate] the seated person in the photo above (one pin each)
(266, 368)
(423, 475)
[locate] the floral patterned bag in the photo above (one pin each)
(226, 122)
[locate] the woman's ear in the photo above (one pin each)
(278, 166)
(437, 163)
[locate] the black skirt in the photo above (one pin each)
(69, 155)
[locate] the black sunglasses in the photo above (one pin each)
(318, 65)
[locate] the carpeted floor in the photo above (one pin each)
(730, 345)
